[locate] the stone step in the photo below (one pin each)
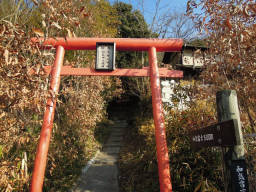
(112, 150)
(117, 135)
(117, 144)
(118, 131)
(118, 127)
(114, 142)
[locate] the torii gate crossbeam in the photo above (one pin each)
(128, 44)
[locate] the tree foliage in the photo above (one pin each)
(229, 27)
(132, 25)
(82, 101)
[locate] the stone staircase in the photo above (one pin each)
(102, 175)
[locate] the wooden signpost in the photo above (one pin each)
(220, 134)
(226, 134)
(239, 177)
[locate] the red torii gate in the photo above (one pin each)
(122, 44)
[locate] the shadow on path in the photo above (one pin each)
(101, 173)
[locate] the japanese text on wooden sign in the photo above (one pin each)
(239, 176)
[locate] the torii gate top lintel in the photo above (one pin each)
(122, 44)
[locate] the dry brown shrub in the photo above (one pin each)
(21, 96)
(81, 102)
(229, 28)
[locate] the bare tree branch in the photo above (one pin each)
(176, 25)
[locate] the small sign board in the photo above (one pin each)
(220, 134)
(105, 56)
(239, 176)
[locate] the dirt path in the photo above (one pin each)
(102, 175)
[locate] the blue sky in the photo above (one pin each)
(150, 6)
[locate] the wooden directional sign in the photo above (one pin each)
(220, 134)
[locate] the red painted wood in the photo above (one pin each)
(161, 144)
(122, 44)
(45, 135)
(144, 72)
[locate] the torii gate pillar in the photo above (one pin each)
(161, 145)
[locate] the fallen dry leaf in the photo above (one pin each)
(38, 32)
